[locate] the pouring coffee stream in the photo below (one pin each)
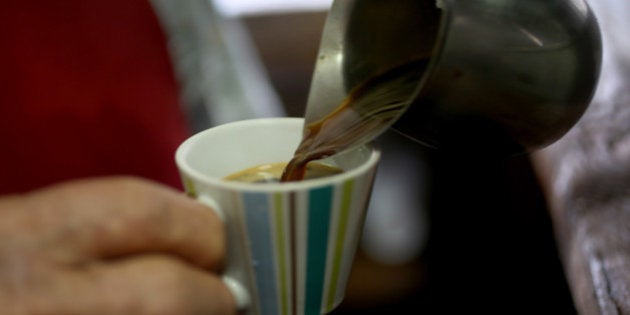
(347, 111)
(368, 110)
(493, 76)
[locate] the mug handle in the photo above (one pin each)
(238, 290)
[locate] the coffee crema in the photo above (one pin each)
(272, 172)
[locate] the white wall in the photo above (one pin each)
(252, 7)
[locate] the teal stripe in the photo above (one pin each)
(258, 221)
(281, 241)
(319, 211)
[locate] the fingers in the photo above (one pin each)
(122, 216)
(158, 245)
(143, 285)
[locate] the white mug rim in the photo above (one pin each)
(188, 170)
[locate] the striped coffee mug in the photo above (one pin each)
(290, 245)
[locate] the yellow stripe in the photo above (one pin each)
(189, 187)
(342, 228)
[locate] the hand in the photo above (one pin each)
(110, 246)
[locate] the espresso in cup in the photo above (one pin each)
(271, 173)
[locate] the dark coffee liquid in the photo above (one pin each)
(376, 103)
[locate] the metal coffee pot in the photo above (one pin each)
(503, 76)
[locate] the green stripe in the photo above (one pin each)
(319, 209)
(342, 228)
(189, 187)
(281, 242)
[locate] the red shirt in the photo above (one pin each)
(86, 89)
